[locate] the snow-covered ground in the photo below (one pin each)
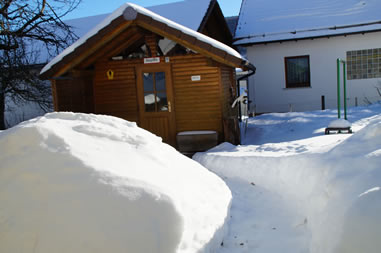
(90, 183)
(86, 183)
(298, 190)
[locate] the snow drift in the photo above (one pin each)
(334, 196)
(86, 183)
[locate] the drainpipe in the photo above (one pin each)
(251, 68)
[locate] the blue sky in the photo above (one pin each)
(95, 7)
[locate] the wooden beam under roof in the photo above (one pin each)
(88, 48)
(124, 39)
(187, 40)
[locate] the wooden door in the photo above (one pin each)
(156, 104)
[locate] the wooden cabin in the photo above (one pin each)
(144, 68)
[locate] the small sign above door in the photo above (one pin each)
(151, 60)
(196, 78)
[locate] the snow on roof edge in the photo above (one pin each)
(294, 16)
(143, 11)
(84, 38)
(186, 30)
(305, 34)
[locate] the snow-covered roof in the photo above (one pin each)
(275, 20)
(189, 13)
(133, 10)
(232, 23)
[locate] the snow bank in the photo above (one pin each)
(362, 225)
(86, 183)
(332, 199)
(340, 123)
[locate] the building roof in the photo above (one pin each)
(189, 13)
(120, 20)
(278, 20)
(232, 23)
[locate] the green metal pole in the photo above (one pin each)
(345, 89)
(338, 88)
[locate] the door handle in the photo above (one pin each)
(169, 106)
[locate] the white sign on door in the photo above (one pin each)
(196, 78)
(152, 60)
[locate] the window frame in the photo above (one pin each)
(302, 84)
(155, 91)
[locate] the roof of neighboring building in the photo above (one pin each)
(131, 12)
(232, 23)
(189, 13)
(277, 20)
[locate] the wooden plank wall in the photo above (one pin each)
(75, 95)
(116, 97)
(216, 27)
(230, 115)
(197, 103)
(228, 91)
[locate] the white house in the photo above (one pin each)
(295, 45)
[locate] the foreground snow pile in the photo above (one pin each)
(85, 183)
(289, 197)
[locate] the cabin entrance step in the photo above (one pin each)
(196, 141)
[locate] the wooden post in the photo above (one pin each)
(151, 42)
(322, 102)
(54, 93)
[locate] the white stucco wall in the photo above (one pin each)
(267, 86)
